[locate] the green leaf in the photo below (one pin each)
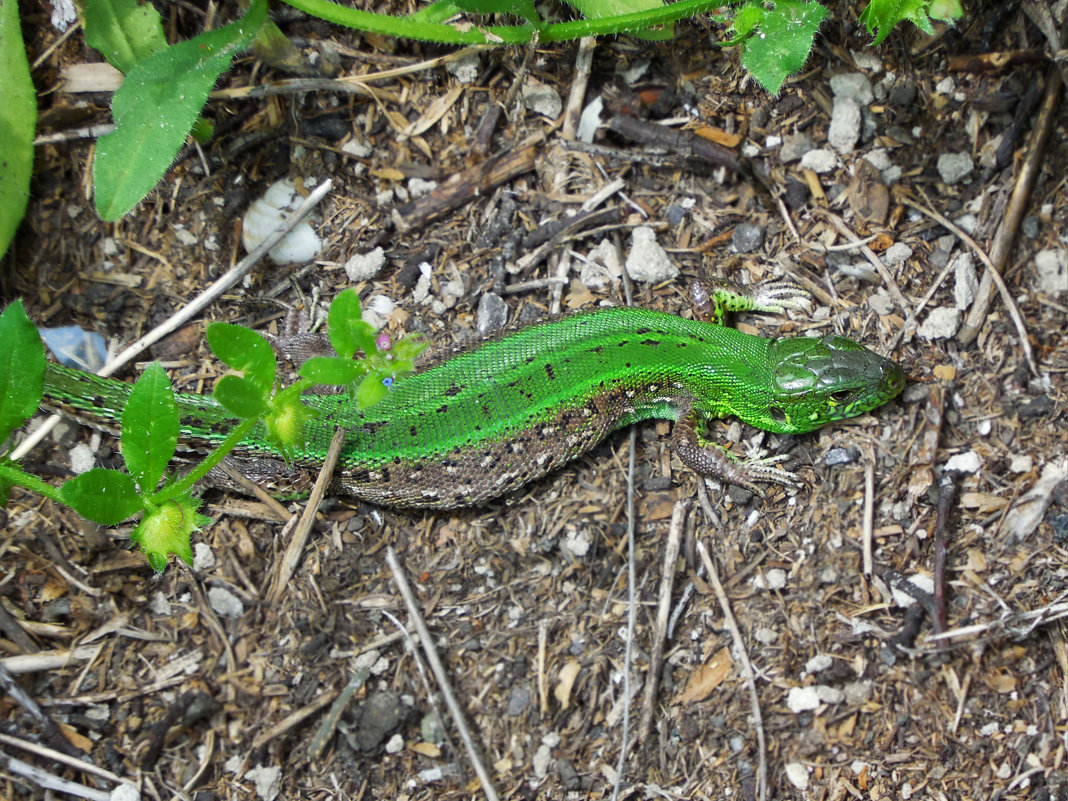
(123, 31)
(241, 397)
(745, 21)
(155, 108)
(105, 496)
(519, 8)
(167, 529)
(602, 9)
(409, 347)
(286, 420)
(149, 428)
(372, 389)
(881, 16)
(18, 118)
(333, 370)
(22, 368)
(784, 42)
(243, 349)
(344, 311)
(435, 12)
(946, 10)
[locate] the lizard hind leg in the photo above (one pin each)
(709, 459)
(713, 300)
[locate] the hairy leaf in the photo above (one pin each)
(18, 118)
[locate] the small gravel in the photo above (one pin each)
(844, 130)
(954, 167)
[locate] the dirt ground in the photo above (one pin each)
(193, 684)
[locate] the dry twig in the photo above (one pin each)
(632, 614)
(288, 565)
(747, 668)
(1014, 214)
(439, 673)
(994, 274)
(663, 610)
(739, 650)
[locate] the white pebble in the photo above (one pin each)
(365, 266)
(203, 558)
(802, 699)
(844, 130)
(1052, 268)
(1021, 463)
(647, 261)
(773, 579)
(941, 323)
(920, 581)
(967, 462)
(954, 167)
(820, 160)
(267, 214)
(797, 773)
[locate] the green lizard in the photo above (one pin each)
(487, 419)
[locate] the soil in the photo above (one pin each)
(195, 684)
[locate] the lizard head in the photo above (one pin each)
(815, 381)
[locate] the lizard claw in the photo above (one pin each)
(778, 296)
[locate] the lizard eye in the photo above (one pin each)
(777, 414)
(841, 397)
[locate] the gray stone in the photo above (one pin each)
(954, 167)
(747, 237)
(794, 147)
(492, 313)
(853, 85)
(844, 130)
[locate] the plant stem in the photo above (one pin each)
(11, 474)
(193, 476)
(500, 34)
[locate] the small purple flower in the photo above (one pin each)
(383, 342)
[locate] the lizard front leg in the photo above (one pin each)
(709, 459)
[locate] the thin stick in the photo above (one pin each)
(946, 489)
(50, 781)
(747, 667)
(1014, 213)
(965, 686)
(663, 612)
(439, 673)
(293, 719)
(632, 615)
(869, 514)
(288, 566)
(54, 734)
(877, 263)
(48, 660)
(995, 277)
(328, 725)
(543, 679)
(198, 304)
(583, 64)
(57, 756)
(432, 697)
(739, 651)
